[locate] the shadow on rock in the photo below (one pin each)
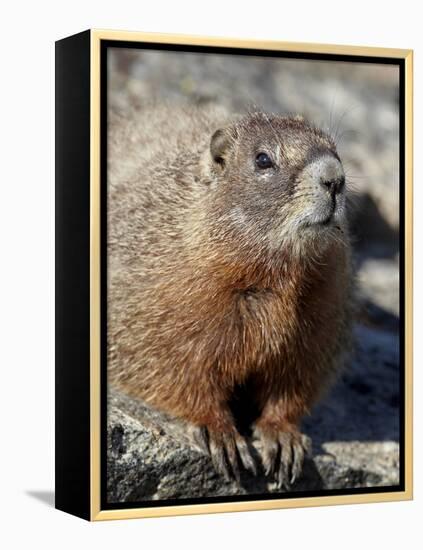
(364, 403)
(373, 235)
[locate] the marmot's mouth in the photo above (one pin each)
(326, 217)
(329, 217)
(321, 223)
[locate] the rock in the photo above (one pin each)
(355, 433)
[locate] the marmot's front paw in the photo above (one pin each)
(226, 449)
(282, 454)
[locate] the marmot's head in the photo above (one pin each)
(276, 181)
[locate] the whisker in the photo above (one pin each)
(340, 120)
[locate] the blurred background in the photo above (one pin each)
(355, 430)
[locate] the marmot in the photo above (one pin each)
(228, 268)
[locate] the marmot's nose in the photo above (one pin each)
(334, 185)
(326, 173)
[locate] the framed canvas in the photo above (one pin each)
(233, 275)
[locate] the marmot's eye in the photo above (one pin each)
(263, 161)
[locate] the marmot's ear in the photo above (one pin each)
(220, 144)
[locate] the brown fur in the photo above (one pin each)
(211, 286)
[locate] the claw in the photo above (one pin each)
(227, 451)
(283, 456)
(298, 452)
(200, 439)
(285, 441)
(218, 457)
(231, 454)
(270, 453)
(245, 455)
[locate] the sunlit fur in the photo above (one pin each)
(218, 274)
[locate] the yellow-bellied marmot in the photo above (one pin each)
(228, 267)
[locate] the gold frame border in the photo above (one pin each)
(95, 511)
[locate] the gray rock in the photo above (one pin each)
(355, 433)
